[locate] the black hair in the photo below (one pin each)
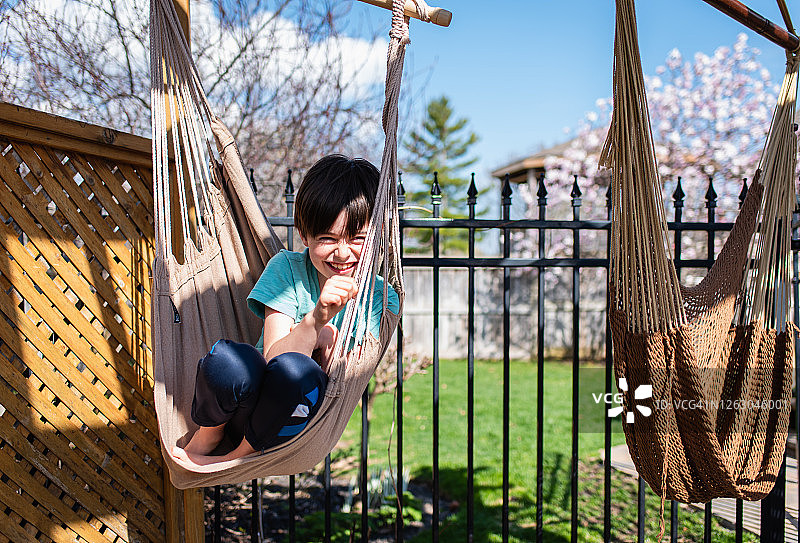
(336, 183)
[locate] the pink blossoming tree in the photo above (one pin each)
(709, 117)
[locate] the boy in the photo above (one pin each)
(241, 401)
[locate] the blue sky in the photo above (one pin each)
(522, 71)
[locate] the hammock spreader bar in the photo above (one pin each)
(757, 23)
(437, 16)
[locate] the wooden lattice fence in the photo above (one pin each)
(79, 451)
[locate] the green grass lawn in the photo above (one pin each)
(488, 434)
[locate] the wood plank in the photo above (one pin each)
(44, 395)
(101, 258)
(56, 507)
(36, 204)
(79, 210)
(25, 509)
(78, 285)
(194, 515)
(757, 23)
(142, 216)
(67, 394)
(112, 517)
(118, 274)
(52, 139)
(15, 271)
(13, 531)
(171, 506)
(76, 488)
(438, 16)
(37, 406)
(98, 277)
(28, 278)
(130, 218)
(141, 182)
(63, 455)
(184, 18)
(100, 135)
(135, 236)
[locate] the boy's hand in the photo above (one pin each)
(338, 290)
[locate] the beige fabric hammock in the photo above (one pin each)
(229, 242)
(719, 356)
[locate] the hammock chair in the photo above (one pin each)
(719, 355)
(201, 297)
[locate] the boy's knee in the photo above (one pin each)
(293, 374)
(232, 366)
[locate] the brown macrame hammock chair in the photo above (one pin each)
(228, 242)
(727, 342)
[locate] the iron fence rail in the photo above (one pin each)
(772, 507)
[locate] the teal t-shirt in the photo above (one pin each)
(290, 285)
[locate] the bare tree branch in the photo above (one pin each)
(281, 73)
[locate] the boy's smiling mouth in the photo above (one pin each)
(342, 267)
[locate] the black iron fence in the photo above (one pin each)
(773, 509)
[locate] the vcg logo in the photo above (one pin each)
(642, 392)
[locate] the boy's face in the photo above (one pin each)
(333, 252)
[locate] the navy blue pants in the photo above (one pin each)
(265, 402)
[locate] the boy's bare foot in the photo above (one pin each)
(190, 460)
(182, 458)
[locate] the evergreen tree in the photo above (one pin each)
(442, 145)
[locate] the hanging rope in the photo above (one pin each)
(174, 82)
(767, 282)
(644, 282)
(380, 234)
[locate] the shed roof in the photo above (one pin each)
(519, 167)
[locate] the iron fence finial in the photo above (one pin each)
(506, 191)
(743, 193)
(436, 191)
(472, 191)
(711, 194)
(678, 195)
(542, 191)
(289, 191)
(576, 193)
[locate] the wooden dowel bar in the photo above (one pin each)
(757, 23)
(438, 16)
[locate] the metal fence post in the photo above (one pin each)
(541, 194)
(399, 524)
(472, 200)
(506, 204)
(576, 358)
(436, 201)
